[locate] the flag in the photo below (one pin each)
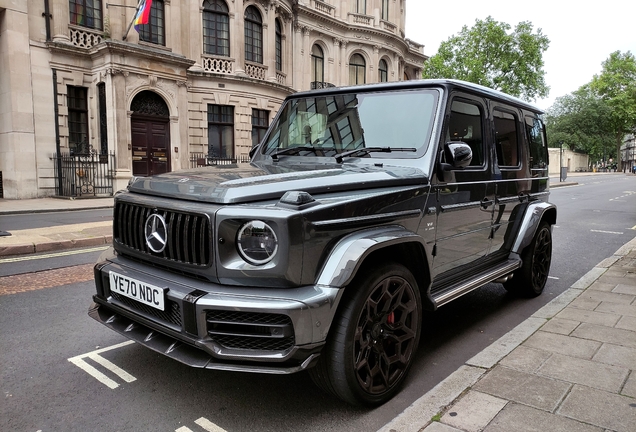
(143, 14)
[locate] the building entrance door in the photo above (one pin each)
(150, 129)
(150, 146)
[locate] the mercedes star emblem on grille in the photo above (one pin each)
(156, 233)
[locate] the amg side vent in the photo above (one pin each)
(188, 235)
(250, 331)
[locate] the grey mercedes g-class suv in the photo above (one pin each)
(361, 208)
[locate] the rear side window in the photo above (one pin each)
(506, 138)
(538, 149)
(464, 125)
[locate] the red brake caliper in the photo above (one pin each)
(391, 318)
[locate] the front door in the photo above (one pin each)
(465, 198)
(150, 145)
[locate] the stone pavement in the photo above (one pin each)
(54, 238)
(571, 366)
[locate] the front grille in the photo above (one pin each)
(188, 237)
(171, 314)
(250, 330)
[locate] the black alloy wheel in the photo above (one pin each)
(531, 278)
(374, 340)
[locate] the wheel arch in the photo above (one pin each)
(536, 213)
(360, 250)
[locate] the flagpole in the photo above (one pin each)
(133, 19)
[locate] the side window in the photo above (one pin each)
(538, 150)
(506, 138)
(465, 124)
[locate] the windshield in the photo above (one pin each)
(329, 125)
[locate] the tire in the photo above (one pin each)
(531, 278)
(373, 339)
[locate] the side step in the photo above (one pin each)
(457, 290)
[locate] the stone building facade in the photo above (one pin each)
(200, 82)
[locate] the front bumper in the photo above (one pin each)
(207, 325)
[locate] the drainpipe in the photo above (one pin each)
(47, 20)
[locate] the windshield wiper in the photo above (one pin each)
(365, 150)
(292, 151)
(318, 151)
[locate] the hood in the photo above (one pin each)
(226, 184)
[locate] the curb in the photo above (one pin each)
(31, 248)
(52, 210)
(419, 414)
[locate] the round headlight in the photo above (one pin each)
(257, 242)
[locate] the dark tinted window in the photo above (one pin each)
(465, 125)
(538, 149)
(153, 32)
(220, 131)
(506, 138)
(216, 28)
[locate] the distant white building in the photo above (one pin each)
(628, 154)
(573, 161)
(199, 83)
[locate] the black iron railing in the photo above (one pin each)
(202, 159)
(82, 176)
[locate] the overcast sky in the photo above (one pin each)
(582, 35)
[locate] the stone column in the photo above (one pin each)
(306, 82)
(269, 42)
(344, 66)
(61, 16)
(237, 37)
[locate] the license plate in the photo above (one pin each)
(143, 292)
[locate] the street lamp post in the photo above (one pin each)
(561, 161)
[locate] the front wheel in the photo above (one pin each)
(374, 338)
(531, 278)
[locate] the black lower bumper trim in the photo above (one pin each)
(190, 354)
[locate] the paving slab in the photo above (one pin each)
(528, 389)
(560, 326)
(473, 411)
(618, 309)
(440, 427)
(582, 315)
(580, 371)
(600, 286)
(585, 303)
(521, 418)
(600, 408)
(608, 296)
(606, 334)
(625, 289)
(629, 389)
(525, 359)
(627, 323)
(617, 355)
(562, 344)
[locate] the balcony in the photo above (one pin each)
(324, 7)
(83, 37)
(221, 65)
(320, 85)
(357, 18)
(255, 70)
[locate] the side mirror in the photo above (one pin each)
(458, 154)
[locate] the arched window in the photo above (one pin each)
(216, 28)
(317, 67)
(357, 67)
(383, 71)
(253, 35)
(279, 46)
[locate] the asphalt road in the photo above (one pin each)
(42, 329)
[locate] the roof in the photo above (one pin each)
(424, 83)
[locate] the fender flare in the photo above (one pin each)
(345, 258)
(534, 214)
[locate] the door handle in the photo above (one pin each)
(485, 203)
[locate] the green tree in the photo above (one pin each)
(582, 122)
(490, 55)
(616, 85)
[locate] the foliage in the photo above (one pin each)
(596, 117)
(582, 122)
(616, 85)
(489, 55)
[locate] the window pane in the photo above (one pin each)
(220, 131)
(153, 32)
(506, 141)
(465, 125)
(216, 29)
(77, 119)
(87, 13)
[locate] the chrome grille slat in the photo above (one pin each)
(188, 233)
